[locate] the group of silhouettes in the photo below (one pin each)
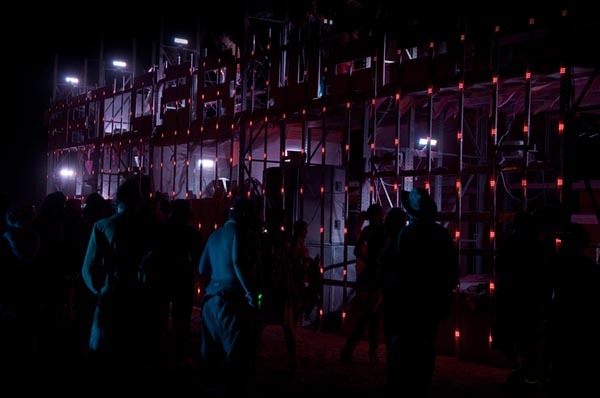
(117, 280)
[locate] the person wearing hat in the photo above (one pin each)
(424, 283)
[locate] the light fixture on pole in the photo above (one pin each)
(119, 64)
(181, 41)
(423, 141)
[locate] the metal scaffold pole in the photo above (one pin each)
(527, 117)
(459, 141)
(201, 115)
(175, 133)
(398, 132)
(565, 123)
(189, 128)
(430, 85)
(322, 201)
(302, 164)
(346, 164)
(492, 151)
(217, 129)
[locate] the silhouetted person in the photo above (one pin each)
(296, 300)
(52, 269)
(424, 291)
(94, 209)
(111, 270)
(520, 297)
(228, 300)
(306, 272)
(282, 297)
(576, 306)
(391, 276)
(179, 252)
(19, 300)
(368, 285)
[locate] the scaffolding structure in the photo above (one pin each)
(321, 121)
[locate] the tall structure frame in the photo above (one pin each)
(482, 113)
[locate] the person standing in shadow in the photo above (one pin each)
(423, 287)
(228, 340)
(521, 295)
(575, 308)
(391, 275)
(111, 270)
(178, 253)
(368, 286)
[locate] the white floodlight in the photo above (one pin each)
(206, 163)
(66, 173)
(181, 40)
(72, 80)
(423, 141)
(119, 64)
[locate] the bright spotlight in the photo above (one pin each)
(119, 64)
(72, 80)
(66, 173)
(423, 141)
(206, 163)
(181, 40)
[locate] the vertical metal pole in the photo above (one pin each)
(372, 128)
(492, 151)
(565, 130)
(217, 129)
(121, 132)
(175, 132)
(201, 114)
(119, 151)
(162, 161)
(398, 132)
(304, 157)
(191, 103)
(375, 194)
(430, 115)
(151, 143)
(459, 141)
(322, 203)
(110, 154)
(527, 116)
(231, 142)
(249, 150)
(48, 168)
(397, 146)
(346, 164)
(101, 175)
(282, 137)
(266, 132)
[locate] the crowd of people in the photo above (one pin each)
(114, 286)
